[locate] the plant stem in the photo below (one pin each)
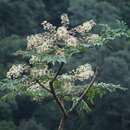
(62, 108)
(61, 125)
(37, 81)
(58, 101)
(74, 105)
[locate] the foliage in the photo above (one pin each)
(30, 125)
(56, 46)
(8, 46)
(25, 21)
(100, 11)
(113, 109)
(6, 125)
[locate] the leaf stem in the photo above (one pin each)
(74, 105)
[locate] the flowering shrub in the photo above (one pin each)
(53, 48)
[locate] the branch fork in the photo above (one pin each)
(59, 101)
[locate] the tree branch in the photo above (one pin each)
(59, 102)
(37, 81)
(63, 110)
(74, 105)
(58, 72)
(61, 125)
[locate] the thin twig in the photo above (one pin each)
(74, 105)
(58, 72)
(37, 81)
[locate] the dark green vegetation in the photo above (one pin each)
(21, 18)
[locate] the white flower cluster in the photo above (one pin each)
(68, 35)
(40, 42)
(93, 38)
(62, 32)
(64, 20)
(83, 72)
(53, 36)
(85, 27)
(38, 72)
(71, 40)
(34, 59)
(60, 52)
(66, 76)
(48, 26)
(16, 71)
(34, 88)
(34, 41)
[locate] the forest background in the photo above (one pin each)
(19, 18)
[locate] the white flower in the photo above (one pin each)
(83, 72)
(17, 71)
(43, 47)
(93, 38)
(34, 88)
(66, 76)
(48, 26)
(34, 59)
(34, 41)
(86, 27)
(36, 72)
(40, 42)
(71, 40)
(60, 52)
(62, 32)
(64, 20)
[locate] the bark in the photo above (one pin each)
(61, 125)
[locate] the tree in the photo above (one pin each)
(8, 46)
(47, 53)
(30, 125)
(6, 125)
(118, 70)
(21, 17)
(100, 11)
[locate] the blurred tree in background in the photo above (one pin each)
(8, 46)
(7, 125)
(19, 18)
(100, 11)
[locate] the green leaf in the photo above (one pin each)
(84, 106)
(100, 89)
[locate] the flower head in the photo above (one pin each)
(83, 72)
(40, 42)
(34, 59)
(93, 38)
(85, 27)
(64, 20)
(62, 32)
(38, 72)
(16, 71)
(71, 40)
(34, 88)
(48, 26)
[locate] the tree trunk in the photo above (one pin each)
(61, 125)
